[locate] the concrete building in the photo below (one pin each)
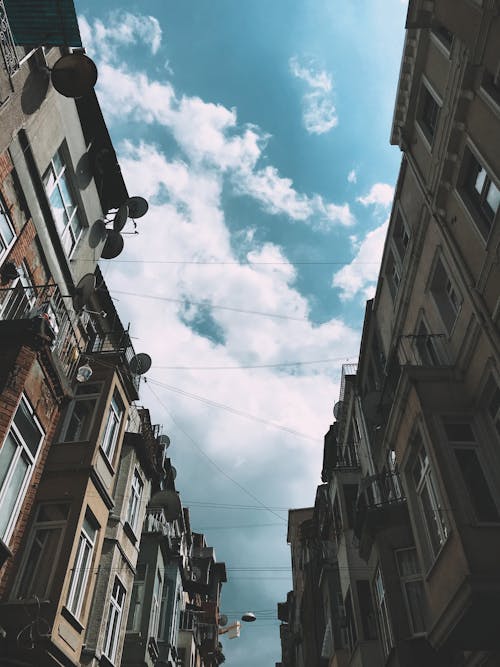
(420, 414)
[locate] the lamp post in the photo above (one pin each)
(233, 630)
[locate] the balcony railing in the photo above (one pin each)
(115, 342)
(27, 302)
(347, 456)
(7, 46)
(156, 522)
(430, 350)
(381, 489)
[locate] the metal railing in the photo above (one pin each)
(429, 350)
(7, 45)
(45, 301)
(347, 456)
(115, 342)
(382, 489)
(156, 522)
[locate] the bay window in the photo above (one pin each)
(115, 613)
(80, 572)
(113, 423)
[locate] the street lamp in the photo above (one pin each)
(233, 630)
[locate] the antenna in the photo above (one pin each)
(83, 291)
(74, 75)
(113, 246)
(140, 364)
(137, 207)
(121, 217)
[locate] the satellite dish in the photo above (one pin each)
(196, 573)
(337, 408)
(137, 207)
(140, 364)
(174, 472)
(164, 441)
(249, 617)
(121, 217)
(170, 503)
(223, 620)
(113, 246)
(74, 75)
(98, 233)
(84, 291)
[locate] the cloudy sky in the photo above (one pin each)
(258, 131)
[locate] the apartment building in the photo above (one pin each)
(419, 416)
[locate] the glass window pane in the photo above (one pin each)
(80, 420)
(5, 229)
(480, 178)
(11, 493)
(493, 197)
(58, 162)
(7, 453)
(28, 428)
(417, 603)
(476, 484)
(58, 210)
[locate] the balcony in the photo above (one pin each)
(155, 521)
(346, 456)
(45, 305)
(7, 45)
(115, 342)
(424, 349)
(381, 505)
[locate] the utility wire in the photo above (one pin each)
(211, 305)
(216, 465)
(280, 365)
(228, 408)
(246, 263)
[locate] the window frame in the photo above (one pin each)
(82, 395)
(135, 497)
(475, 201)
(427, 481)
(156, 600)
(427, 95)
(411, 578)
(38, 526)
(114, 621)
(84, 556)
(64, 175)
(22, 451)
(386, 634)
(113, 425)
(447, 297)
(5, 219)
(134, 618)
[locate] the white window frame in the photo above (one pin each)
(482, 214)
(80, 572)
(22, 450)
(48, 553)
(114, 419)
(137, 599)
(426, 484)
(156, 604)
(63, 187)
(115, 614)
(21, 287)
(384, 619)
(134, 501)
(6, 228)
(410, 579)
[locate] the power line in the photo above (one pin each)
(283, 364)
(211, 305)
(228, 408)
(216, 466)
(249, 525)
(234, 263)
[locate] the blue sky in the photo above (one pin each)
(258, 131)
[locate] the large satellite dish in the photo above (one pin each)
(222, 620)
(137, 207)
(174, 472)
(98, 233)
(337, 409)
(164, 441)
(74, 75)
(83, 291)
(121, 217)
(169, 501)
(140, 364)
(249, 617)
(113, 246)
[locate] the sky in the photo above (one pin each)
(259, 133)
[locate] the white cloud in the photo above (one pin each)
(319, 113)
(352, 177)
(121, 29)
(380, 194)
(360, 276)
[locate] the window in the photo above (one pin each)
(20, 298)
(383, 612)
(81, 412)
(443, 35)
(428, 113)
(482, 195)
(62, 202)
(393, 274)
(17, 459)
(114, 620)
(156, 605)
(350, 497)
(461, 437)
(137, 600)
(7, 235)
(493, 403)
(134, 501)
(82, 565)
(42, 551)
(491, 85)
(430, 503)
(413, 589)
(352, 635)
(113, 422)
(401, 237)
(426, 345)
(445, 295)
(368, 619)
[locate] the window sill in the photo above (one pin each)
(68, 615)
(129, 532)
